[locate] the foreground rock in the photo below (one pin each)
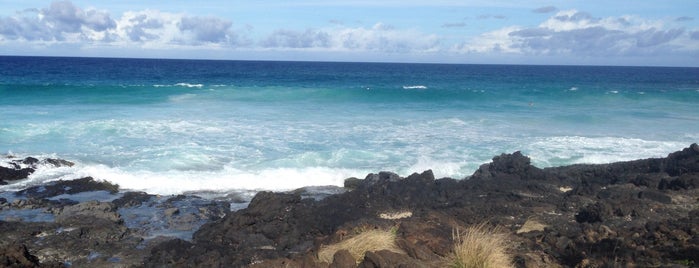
(642, 213)
(637, 213)
(117, 231)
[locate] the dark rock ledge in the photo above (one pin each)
(642, 213)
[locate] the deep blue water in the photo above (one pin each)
(170, 126)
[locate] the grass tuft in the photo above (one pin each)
(479, 247)
(358, 245)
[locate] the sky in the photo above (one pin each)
(569, 32)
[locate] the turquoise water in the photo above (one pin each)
(173, 126)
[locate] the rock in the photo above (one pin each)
(86, 184)
(382, 177)
(352, 183)
(30, 161)
(592, 213)
(638, 213)
(343, 259)
(385, 259)
(132, 199)
(58, 162)
(684, 182)
(16, 172)
(655, 196)
(90, 209)
(17, 256)
(683, 162)
(11, 174)
(509, 166)
(171, 211)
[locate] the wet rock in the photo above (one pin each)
(132, 199)
(12, 174)
(21, 169)
(86, 184)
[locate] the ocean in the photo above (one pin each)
(187, 126)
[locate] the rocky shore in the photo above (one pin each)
(642, 213)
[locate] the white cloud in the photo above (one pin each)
(576, 33)
(61, 22)
(64, 23)
(378, 38)
(297, 39)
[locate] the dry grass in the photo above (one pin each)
(479, 247)
(532, 225)
(368, 240)
(396, 215)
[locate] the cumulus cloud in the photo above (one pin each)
(684, 18)
(207, 29)
(378, 38)
(694, 35)
(573, 32)
(63, 16)
(64, 22)
(61, 21)
(297, 39)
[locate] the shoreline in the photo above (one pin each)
(641, 212)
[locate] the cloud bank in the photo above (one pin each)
(569, 33)
(573, 32)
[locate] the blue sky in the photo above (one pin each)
(500, 32)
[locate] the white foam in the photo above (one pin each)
(566, 150)
(440, 168)
(189, 85)
(415, 87)
(573, 89)
(225, 180)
